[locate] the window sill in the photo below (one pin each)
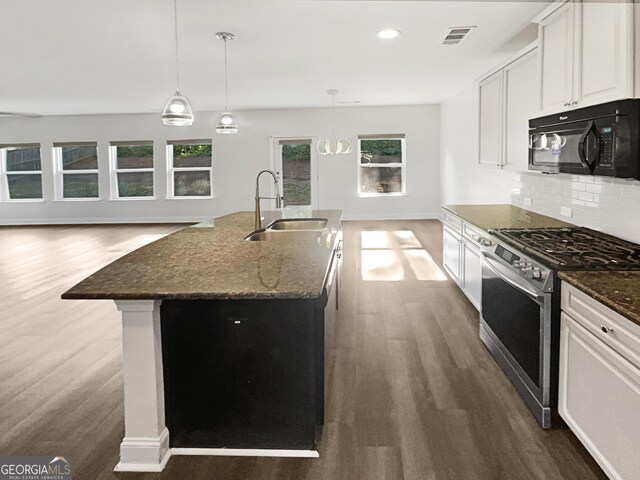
(193, 197)
(374, 195)
(134, 199)
(86, 199)
(23, 200)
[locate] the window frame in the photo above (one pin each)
(5, 193)
(402, 165)
(171, 170)
(114, 170)
(59, 172)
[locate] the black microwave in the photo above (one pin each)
(597, 140)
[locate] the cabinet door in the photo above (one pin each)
(555, 34)
(599, 398)
(522, 103)
(472, 270)
(491, 120)
(605, 62)
(451, 254)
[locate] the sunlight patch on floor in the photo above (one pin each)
(381, 265)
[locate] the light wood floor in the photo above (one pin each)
(413, 393)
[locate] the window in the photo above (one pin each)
(21, 169)
(189, 168)
(77, 170)
(382, 162)
(132, 169)
(294, 163)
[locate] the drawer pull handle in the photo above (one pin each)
(606, 329)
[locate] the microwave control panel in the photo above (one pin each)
(606, 147)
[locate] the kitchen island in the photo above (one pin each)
(223, 338)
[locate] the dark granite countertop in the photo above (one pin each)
(489, 217)
(620, 291)
(205, 262)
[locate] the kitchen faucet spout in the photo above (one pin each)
(277, 198)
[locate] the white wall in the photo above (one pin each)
(462, 179)
(610, 205)
(237, 159)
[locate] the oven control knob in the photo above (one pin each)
(536, 273)
(517, 264)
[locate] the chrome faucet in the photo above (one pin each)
(277, 198)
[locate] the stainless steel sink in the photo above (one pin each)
(286, 235)
(298, 224)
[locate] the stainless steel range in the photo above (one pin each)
(520, 320)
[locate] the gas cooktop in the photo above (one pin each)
(576, 248)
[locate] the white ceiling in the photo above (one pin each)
(117, 56)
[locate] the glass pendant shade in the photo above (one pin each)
(177, 111)
(227, 123)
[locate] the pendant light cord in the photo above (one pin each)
(226, 90)
(175, 31)
(333, 115)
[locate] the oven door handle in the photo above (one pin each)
(492, 265)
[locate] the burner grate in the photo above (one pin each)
(574, 248)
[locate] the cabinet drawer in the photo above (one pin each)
(621, 334)
(453, 221)
(473, 233)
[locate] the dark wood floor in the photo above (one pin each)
(413, 393)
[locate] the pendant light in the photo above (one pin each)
(227, 122)
(333, 145)
(177, 112)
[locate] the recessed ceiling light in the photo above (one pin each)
(387, 34)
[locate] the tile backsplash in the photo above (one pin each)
(610, 205)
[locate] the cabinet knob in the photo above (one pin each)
(606, 329)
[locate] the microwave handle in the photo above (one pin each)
(582, 143)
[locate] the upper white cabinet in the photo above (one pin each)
(508, 99)
(555, 34)
(586, 54)
(521, 104)
(491, 95)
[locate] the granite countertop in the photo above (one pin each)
(215, 262)
(489, 217)
(620, 291)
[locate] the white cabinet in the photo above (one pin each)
(599, 382)
(586, 54)
(521, 104)
(555, 34)
(508, 99)
(461, 255)
(451, 243)
(472, 268)
(491, 119)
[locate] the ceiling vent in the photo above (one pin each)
(456, 35)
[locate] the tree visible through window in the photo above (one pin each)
(381, 164)
(296, 166)
(133, 169)
(190, 168)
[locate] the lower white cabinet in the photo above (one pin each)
(599, 390)
(461, 256)
(451, 253)
(472, 267)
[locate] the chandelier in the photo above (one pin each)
(333, 145)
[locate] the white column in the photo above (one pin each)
(145, 447)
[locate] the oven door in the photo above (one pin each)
(569, 148)
(515, 325)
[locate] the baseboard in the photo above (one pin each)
(392, 216)
(246, 452)
(101, 220)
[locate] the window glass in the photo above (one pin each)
(133, 157)
(190, 165)
(21, 167)
(138, 184)
(381, 170)
(80, 185)
(79, 158)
